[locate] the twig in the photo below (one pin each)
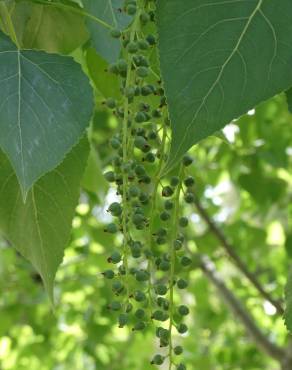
(241, 313)
(231, 251)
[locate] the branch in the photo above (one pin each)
(241, 312)
(231, 251)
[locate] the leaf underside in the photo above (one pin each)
(40, 228)
(218, 60)
(45, 105)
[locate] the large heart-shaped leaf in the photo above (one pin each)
(108, 11)
(218, 60)
(45, 105)
(40, 228)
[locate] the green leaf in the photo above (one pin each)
(40, 228)
(46, 104)
(109, 11)
(93, 179)
(45, 27)
(107, 84)
(218, 60)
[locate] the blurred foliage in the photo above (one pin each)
(244, 182)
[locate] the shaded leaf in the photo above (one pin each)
(93, 179)
(46, 27)
(107, 84)
(223, 74)
(109, 11)
(46, 104)
(40, 228)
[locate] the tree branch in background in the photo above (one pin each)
(231, 251)
(241, 312)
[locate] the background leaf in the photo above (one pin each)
(40, 228)
(45, 27)
(211, 64)
(108, 11)
(46, 104)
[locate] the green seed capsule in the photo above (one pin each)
(140, 326)
(133, 47)
(182, 284)
(134, 191)
(164, 266)
(156, 113)
(177, 244)
(111, 228)
(162, 333)
(142, 72)
(183, 222)
(117, 286)
(189, 182)
(182, 328)
(110, 176)
(160, 289)
(116, 33)
(162, 232)
(111, 103)
(140, 143)
(109, 274)
(183, 310)
(115, 209)
(140, 313)
(115, 143)
(167, 191)
(140, 117)
(150, 157)
(151, 40)
(181, 367)
(178, 350)
(122, 65)
(139, 169)
(146, 90)
(187, 160)
(161, 240)
(115, 257)
(164, 216)
(189, 198)
(115, 306)
(123, 320)
(157, 360)
(143, 45)
(138, 219)
(144, 18)
(129, 92)
(160, 315)
(139, 296)
(185, 261)
(142, 275)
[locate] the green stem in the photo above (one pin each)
(172, 259)
(125, 214)
(153, 205)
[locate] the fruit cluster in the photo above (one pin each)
(147, 278)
